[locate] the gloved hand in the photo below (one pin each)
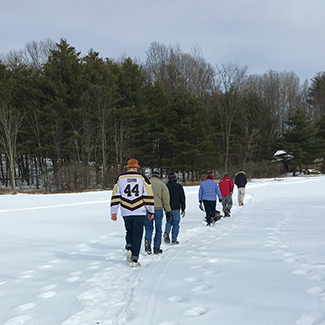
(201, 206)
(183, 213)
(220, 200)
(168, 215)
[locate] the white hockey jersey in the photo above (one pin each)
(133, 194)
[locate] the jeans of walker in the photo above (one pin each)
(148, 227)
(210, 209)
(173, 223)
(134, 233)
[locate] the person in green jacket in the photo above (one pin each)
(161, 197)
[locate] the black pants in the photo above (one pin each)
(210, 209)
(134, 233)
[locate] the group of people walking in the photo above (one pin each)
(143, 202)
(209, 191)
(171, 198)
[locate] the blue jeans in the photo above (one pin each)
(175, 218)
(134, 233)
(148, 227)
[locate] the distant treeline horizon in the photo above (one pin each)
(70, 122)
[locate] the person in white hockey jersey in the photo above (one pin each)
(132, 192)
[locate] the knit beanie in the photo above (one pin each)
(172, 177)
(209, 177)
(155, 173)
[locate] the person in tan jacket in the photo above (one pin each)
(161, 197)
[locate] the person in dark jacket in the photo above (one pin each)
(177, 203)
(241, 181)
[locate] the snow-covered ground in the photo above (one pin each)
(62, 261)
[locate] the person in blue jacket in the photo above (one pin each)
(208, 192)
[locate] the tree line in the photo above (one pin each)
(70, 122)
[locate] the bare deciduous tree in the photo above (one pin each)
(11, 122)
(316, 97)
(280, 91)
(173, 68)
(230, 78)
(34, 54)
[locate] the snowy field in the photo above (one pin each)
(63, 262)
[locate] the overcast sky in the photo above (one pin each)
(282, 35)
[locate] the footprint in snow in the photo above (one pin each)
(299, 272)
(26, 306)
(306, 320)
(315, 277)
(315, 290)
(47, 266)
(178, 299)
(269, 245)
(83, 247)
(93, 266)
(20, 320)
(278, 251)
(290, 260)
(74, 276)
(202, 288)
(72, 279)
(270, 242)
(26, 275)
(196, 311)
(49, 287)
(213, 260)
(54, 261)
(196, 267)
(48, 294)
